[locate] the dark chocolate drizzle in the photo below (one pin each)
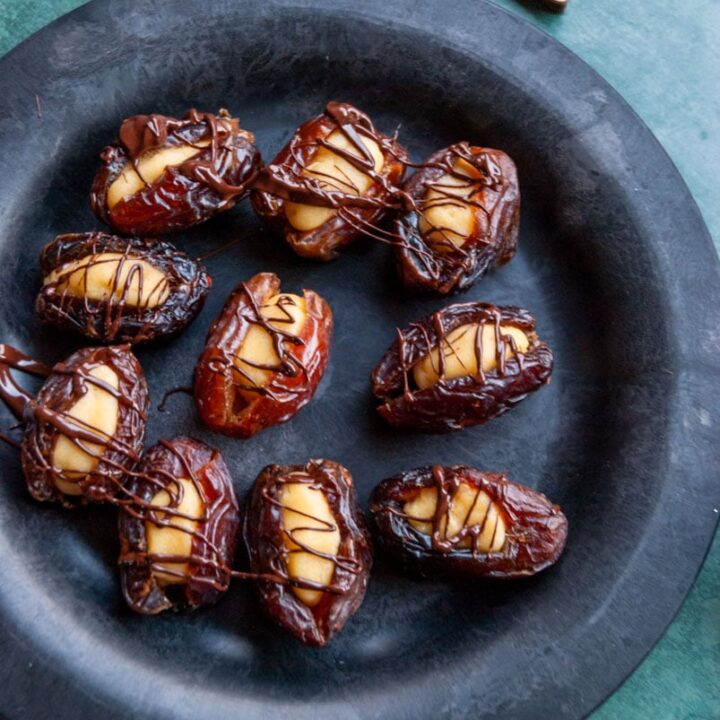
(447, 486)
(187, 390)
(282, 181)
(143, 133)
(279, 563)
(13, 395)
(535, 529)
(139, 507)
(487, 314)
(46, 416)
(183, 282)
(289, 365)
(287, 181)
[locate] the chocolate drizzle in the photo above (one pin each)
(165, 308)
(145, 133)
(213, 533)
(47, 417)
(229, 399)
(12, 394)
(535, 529)
(209, 181)
(427, 258)
(267, 541)
(453, 403)
(357, 212)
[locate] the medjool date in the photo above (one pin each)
(460, 366)
(119, 289)
(464, 219)
(460, 522)
(307, 542)
(264, 357)
(333, 182)
(178, 528)
(84, 431)
(165, 173)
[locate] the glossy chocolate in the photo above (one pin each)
(184, 284)
(265, 538)
(11, 393)
(208, 567)
(481, 180)
(225, 401)
(47, 418)
(356, 214)
(185, 194)
(535, 530)
(451, 404)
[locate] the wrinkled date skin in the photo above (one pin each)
(532, 537)
(190, 189)
(357, 212)
(228, 400)
(56, 418)
(452, 403)
(480, 182)
(266, 536)
(155, 581)
(117, 289)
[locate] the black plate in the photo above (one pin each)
(614, 262)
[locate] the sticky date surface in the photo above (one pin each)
(225, 402)
(535, 529)
(265, 539)
(213, 541)
(488, 189)
(357, 213)
(451, 404)
(186, 194)
(184, 286)
(47, 418)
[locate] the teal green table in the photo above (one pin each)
(664, 58)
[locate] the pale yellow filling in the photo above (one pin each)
(151, 165)
(307, 518)
(459, 350)
(446, 223)
(333, 173)
(97, 412)
(469, 507)
(257, 352)
(176, 540)
(112, 275)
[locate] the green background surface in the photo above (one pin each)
(663, 56)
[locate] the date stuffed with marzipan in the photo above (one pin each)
(460, 366)
(84, 431)
(332, 183)
(117, 289)
(462, 523)
(165, 173)
(264, 357)
(178, 528)
(307, 541)
(464, 219)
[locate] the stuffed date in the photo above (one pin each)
(116, 289)
(464, 218)
(459, 522)
(306, 539)
(165, 173)
(333, 182)
(178, 528)
(84, 430)
(264, 357)
(460, 366)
